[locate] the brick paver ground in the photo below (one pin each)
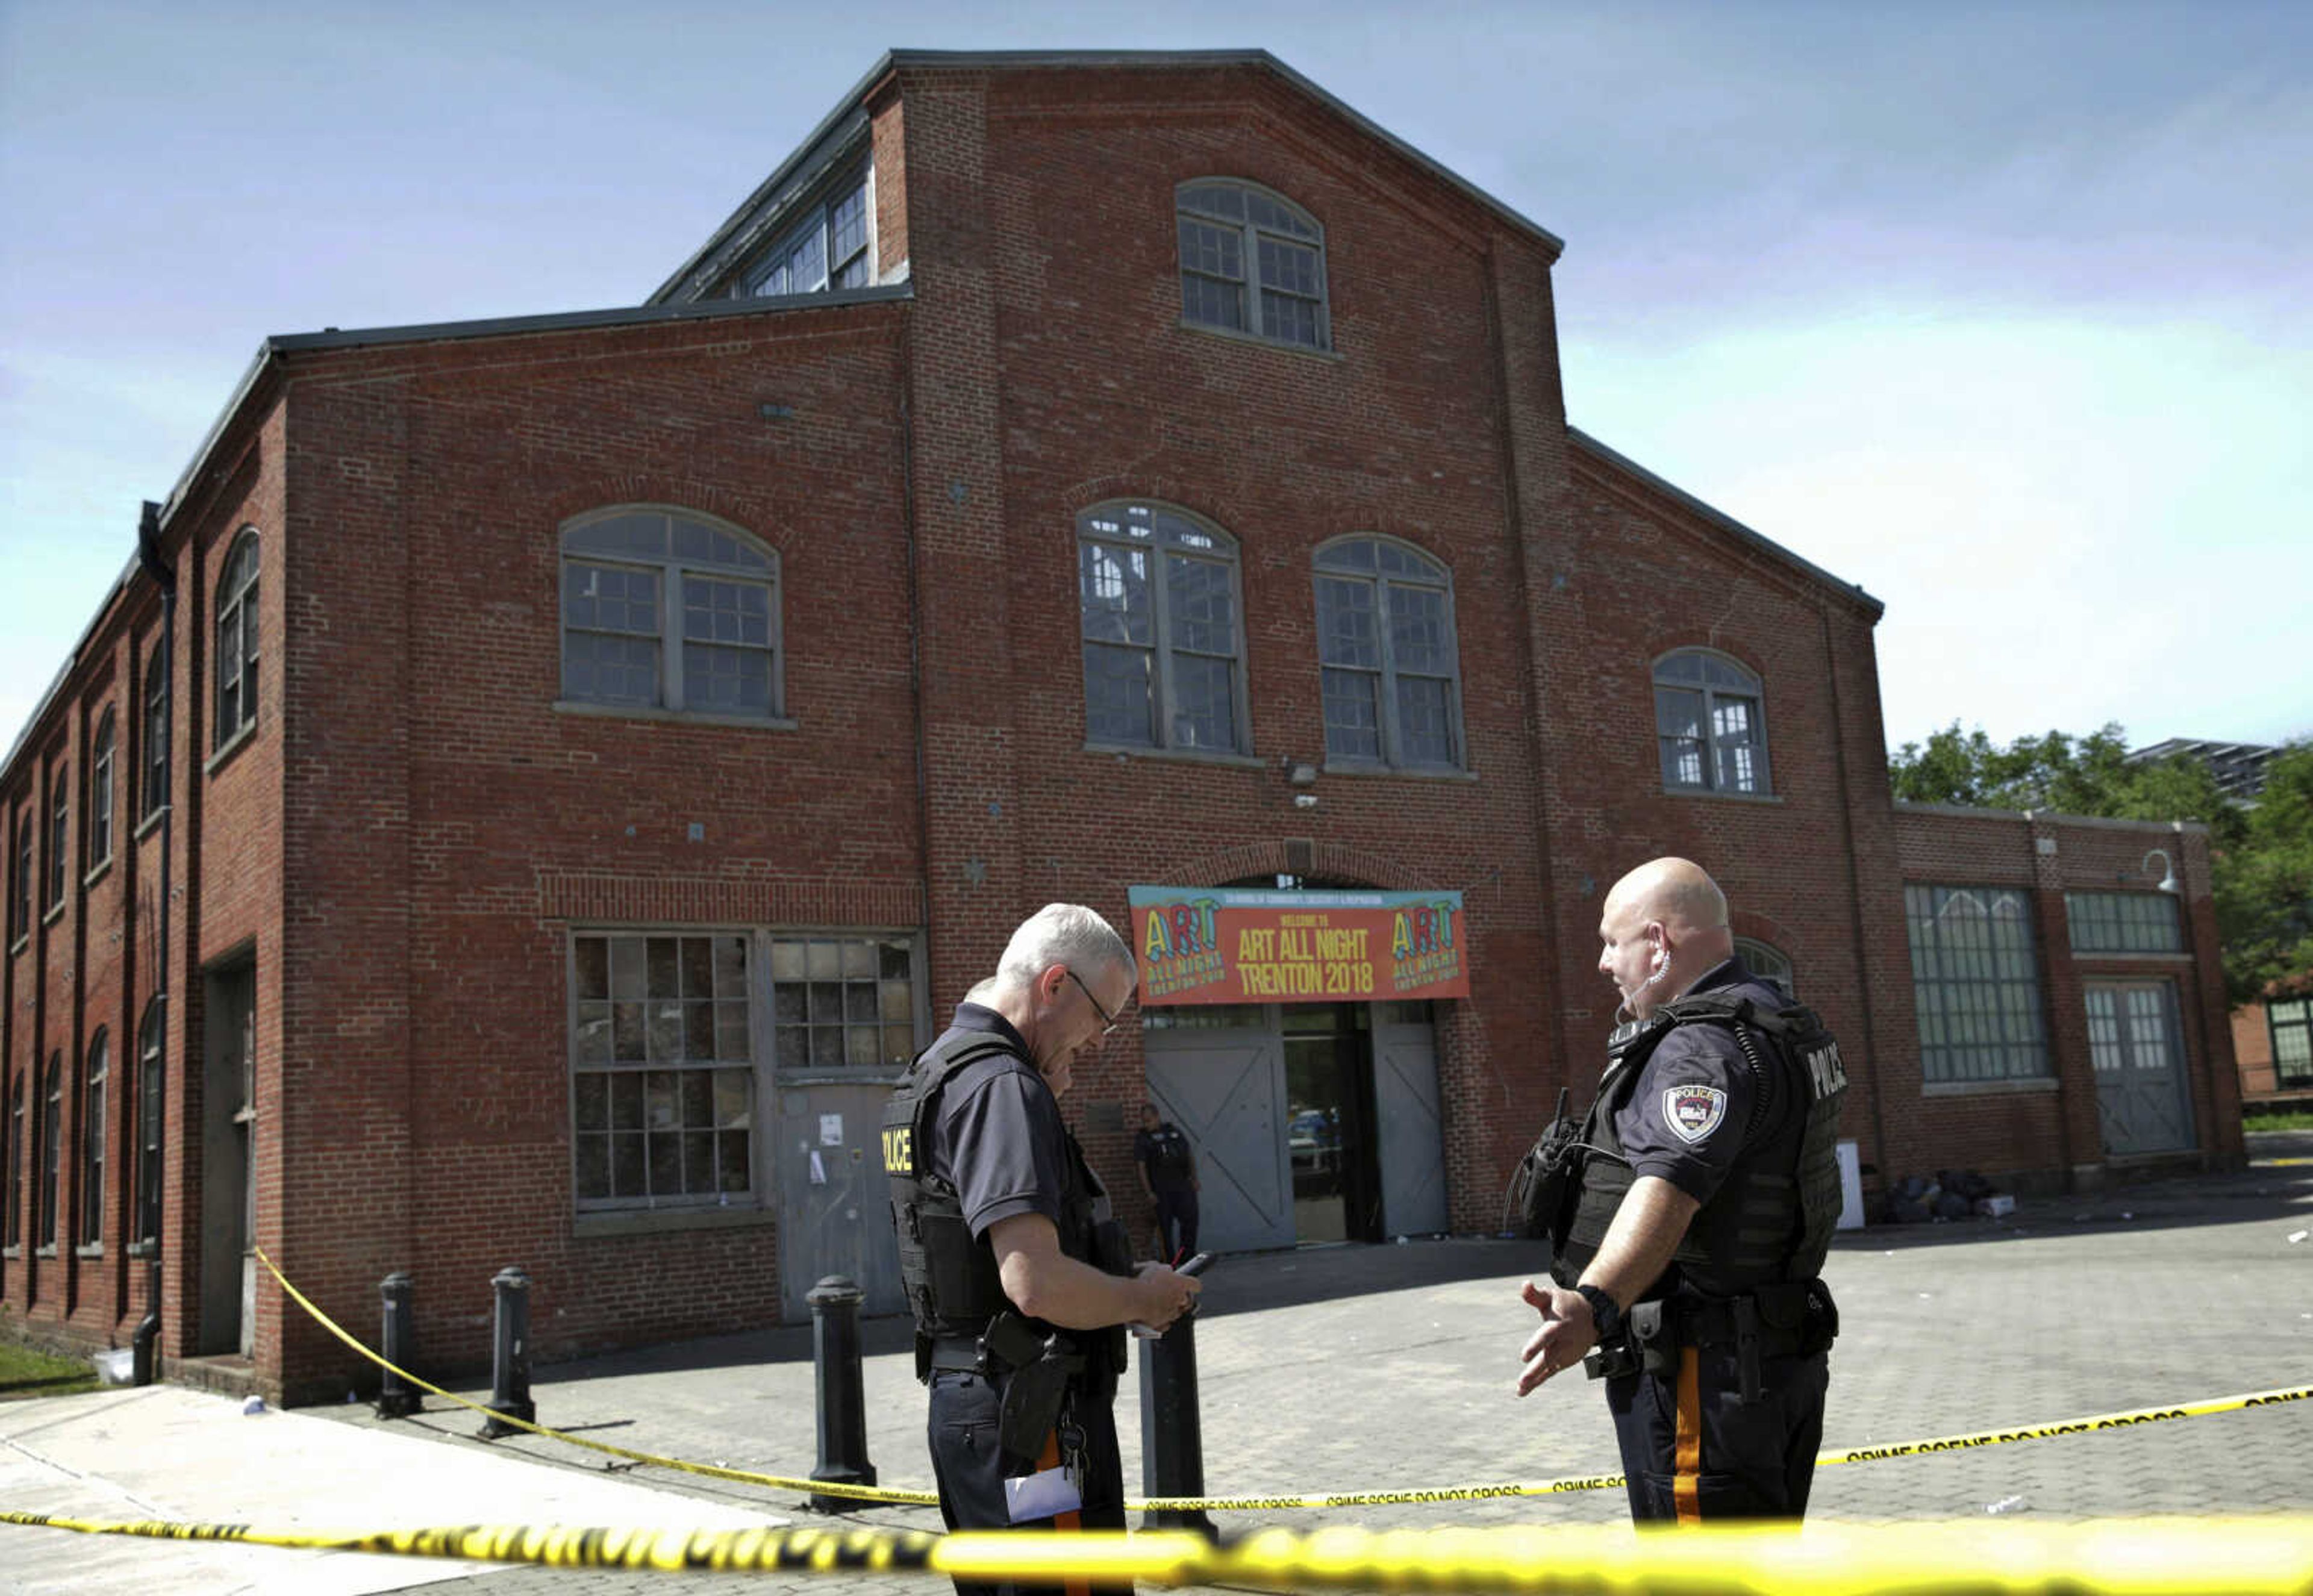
(1359, 1368)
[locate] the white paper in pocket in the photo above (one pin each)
(1040, 1496)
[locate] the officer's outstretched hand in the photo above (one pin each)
(1164, 1295)
(1567, 1331)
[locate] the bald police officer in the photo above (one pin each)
(1702, 1191)
(1020, 1279)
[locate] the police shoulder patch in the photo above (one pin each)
(1693, 1111)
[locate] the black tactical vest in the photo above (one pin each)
(950, 1276)
(1773, 1216)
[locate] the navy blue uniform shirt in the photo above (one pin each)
(1691, 1115)
(997, 1134)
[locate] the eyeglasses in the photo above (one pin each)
(1108, 1021)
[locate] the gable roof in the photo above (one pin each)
(846, 126)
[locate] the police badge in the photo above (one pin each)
(1693, 1111)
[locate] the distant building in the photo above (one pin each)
(2239, 767)
(588, 754)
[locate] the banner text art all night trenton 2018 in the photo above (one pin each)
(1234, 944)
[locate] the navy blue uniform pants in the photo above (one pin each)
(970, 1466)
(1176, 1221)
(1696, 1454)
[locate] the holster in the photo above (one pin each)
(1652, 1335)
(1033, 1395)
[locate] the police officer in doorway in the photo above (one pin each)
(1168, 1166)
(1690, 1210)
(1020, 1280)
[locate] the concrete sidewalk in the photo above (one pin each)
(1342, 1368)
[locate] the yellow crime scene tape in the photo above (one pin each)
(2126, 1419)
(2122, 1558)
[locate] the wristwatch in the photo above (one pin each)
(1604, 1313)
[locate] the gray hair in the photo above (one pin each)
(1066, 934)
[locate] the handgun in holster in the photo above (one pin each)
(1037, 1387)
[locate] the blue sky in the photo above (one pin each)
(2002, 311)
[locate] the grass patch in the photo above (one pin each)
(2278, 1120)
(24, 1372)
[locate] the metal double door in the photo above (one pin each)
(1226, 1087)
(2136, 1048)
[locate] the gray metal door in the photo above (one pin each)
(1225, 1090)
(835, 1208)
(1413, 1133)
(2142, 1103)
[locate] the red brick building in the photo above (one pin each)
(587, 754)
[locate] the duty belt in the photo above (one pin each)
(1007, 1342)
(1785, 1319)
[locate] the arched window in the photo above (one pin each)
(20, 897)
(1386, 646)
(59, 835)
(1157, 592)
(1709, 723)
(1251, 262)
(150, 1080)
(156, 732)
(100, 794)
(92, 1139)
(666, 610)
(52, 1114)
(13, 1235)
(236, 641)
(1766, 964)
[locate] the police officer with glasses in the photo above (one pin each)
(1690, 1210)
(1020, 1277)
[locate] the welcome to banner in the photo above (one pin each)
(1236, 944)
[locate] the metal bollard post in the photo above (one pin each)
(396, 1397)
(1172, 1436)
(510, 1355)
(842, 1402)
(145, 1346)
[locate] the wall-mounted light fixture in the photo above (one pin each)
(1301, 774)
(1305, 800)
(2167, 870)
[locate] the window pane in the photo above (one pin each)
(1208, 302)
(734, 1096)
(1288, 320)
(1113, 589)
(1352, 715)
(1417, 630)
(1202, 608)
(1358, 556)
(1119, 703)
(1682, 762)
(1349, 630)
(717, 611)
(1424, 727)
(1291, 268)
(1211, 251)
(847, 222)
(807, 263)
(727, 681)
(593, 1166)
(1204, 706)
(633, 531)
(1215, 199)
(1680, 667)
(607, 670)
(1678, 713)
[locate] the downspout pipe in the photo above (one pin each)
(144, 1342)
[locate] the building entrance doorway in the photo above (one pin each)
(1311, 1122)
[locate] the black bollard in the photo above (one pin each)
(1172, 1436)
(510, 1355)
(396, 1397)
(145, 1344)
(842, 1401)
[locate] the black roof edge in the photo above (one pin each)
(430, 332)
(895, 59)
(1726, 522)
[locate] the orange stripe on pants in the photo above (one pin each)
(1686, 1483)
(1051, 1459)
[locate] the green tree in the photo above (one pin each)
(2263, 852)
(2264, 885)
